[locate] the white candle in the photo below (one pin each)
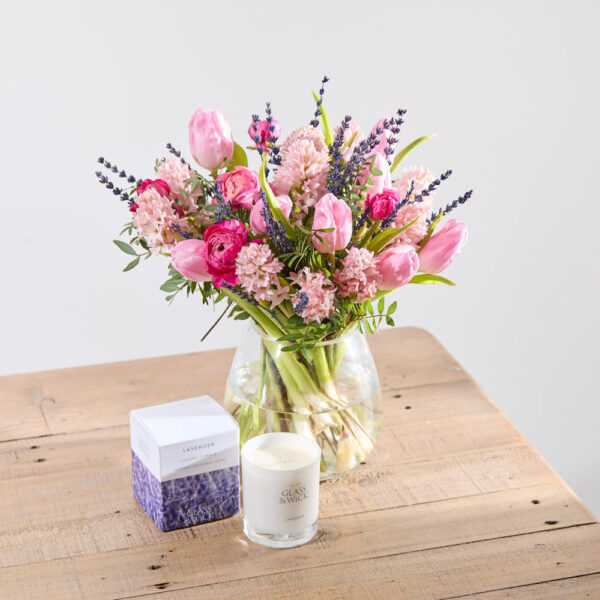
(280, 489)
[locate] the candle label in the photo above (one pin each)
(295, 494)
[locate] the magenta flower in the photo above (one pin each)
(332, 213)
(161, 186)
(211, 141)
(443, 247)
(260, 130)
(187, 257)
(381, 205)
(223, 243)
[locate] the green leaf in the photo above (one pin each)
(383, 238)
(377, 172)
(211, 207)
(242, 316)
(325, 123)
(125, 247)
(308, 354)
(291, 348)
(272, 201)
(389, 321)
(239, 158)
(381, 305)
(170, 285)
(392, 308)
(132, 264)
(295, 322)
(430, 278)
(402, 154)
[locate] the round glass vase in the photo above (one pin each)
(329, 394)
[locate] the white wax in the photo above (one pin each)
(280, 457)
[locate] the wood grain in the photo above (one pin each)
(452, 503)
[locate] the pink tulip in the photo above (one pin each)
(443, 247)
(257, 221)
(397, 266)
(379, 182)
(187, 257)
(211, 142)
(332, 213)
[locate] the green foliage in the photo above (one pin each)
(125, 247)
(403, 153)
(430, 278)
(238, 159)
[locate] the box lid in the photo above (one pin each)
(184, 420)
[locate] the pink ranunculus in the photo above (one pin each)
(331, 212)
(397, 266)
(381, 205)
(379, 182)
(187, 257)
(239, 187)
(211, 141)
(257, 221)
(223, 242)
(382, 143)
(160, 185)
(443, 247)
(260, 130)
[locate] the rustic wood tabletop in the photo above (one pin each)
(453, 502)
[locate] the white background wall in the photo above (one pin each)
(510, 87)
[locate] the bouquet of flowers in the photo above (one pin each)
(307, 246)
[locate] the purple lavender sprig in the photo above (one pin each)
(393, 126)
(450, 207)
(177, 153)
(301, 303)
(361, 220)
(223, 213)
(335, 176)
(433, 185)
(315, 121)
(117, 191)
(119, 172)
(362, 151)
(238, 291)
(275, 230)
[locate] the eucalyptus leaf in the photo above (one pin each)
(170, 286)
(132, 264)
(402, 154)
(125, 247)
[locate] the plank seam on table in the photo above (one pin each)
(385, 390)
(516, 587)
(379, 557)
(321, 532)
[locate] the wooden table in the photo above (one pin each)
(452, 503)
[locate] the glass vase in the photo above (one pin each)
(330, 394)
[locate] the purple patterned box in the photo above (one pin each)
(185, 462)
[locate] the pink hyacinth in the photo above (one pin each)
(319, 291)
(175, 173)
(304, 167)
(257, 269)
(359, 275)
(155, 219)
(422, 177)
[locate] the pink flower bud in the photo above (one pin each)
(443, 247)
(381, 205)
(211, 142)
(260, 130)
(332, 213)
(397, 266)
(378, 182)
(257, 221)
(187, 257)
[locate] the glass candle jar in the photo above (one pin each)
(280, 489)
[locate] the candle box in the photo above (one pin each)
(185, 462)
